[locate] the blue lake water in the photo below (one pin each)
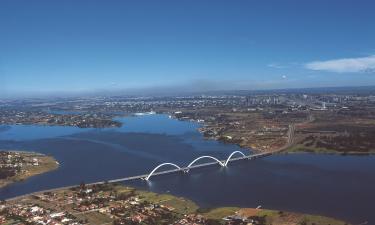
(332, 185)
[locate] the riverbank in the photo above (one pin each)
(314, 131)
(285, 182)
(56, 118)
(119, 204)
(18, 165)
(266, 216)
(299, 148)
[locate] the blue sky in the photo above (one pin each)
(86, 46)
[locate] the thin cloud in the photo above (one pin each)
(276, 66)
(345, 65)
(283, 65)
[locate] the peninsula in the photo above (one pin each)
(16, 165)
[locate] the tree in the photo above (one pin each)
(82, 185)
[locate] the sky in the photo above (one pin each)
(81, 46)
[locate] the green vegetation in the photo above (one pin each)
(269, 217)
(29, 167)
(95, 218)
(219, 213)
(11, 222)
(47, 163)
(300, 148)
(118, 204)
(303, 148)
(311, 220)
(181, 205)
(281, 217)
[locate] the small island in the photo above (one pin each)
(17, 165)
(118, 204)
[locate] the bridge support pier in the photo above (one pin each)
(187, 168)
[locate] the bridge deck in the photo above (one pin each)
(187, 168)
(254, 156)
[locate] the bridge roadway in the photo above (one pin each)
(290, 140)
(182, 169)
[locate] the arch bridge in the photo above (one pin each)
(205, 157)
(193, 164)
(163, 164)
(231, 155)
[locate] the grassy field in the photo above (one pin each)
(271, 217)
(181, 205)
(95, 218)
(219, 213)
(309, 149)
(280, 217)
(302, 148)
(46, 163)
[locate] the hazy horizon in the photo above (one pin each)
(180, 91)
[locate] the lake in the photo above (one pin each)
(331, 185)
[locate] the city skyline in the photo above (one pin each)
(84, 47)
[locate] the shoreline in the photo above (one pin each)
(296, 150)
(281, 151)
(288, 148)
(42, 164)
(182, 208)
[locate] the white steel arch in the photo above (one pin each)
(230, 156)
(205, 156)
(163, 164)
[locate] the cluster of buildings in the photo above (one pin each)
(84, 204)
(75, 206)
(27, 213)
(191, 220)
(12, 163)
(29, 116)
(262, 100)
(73, 111)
